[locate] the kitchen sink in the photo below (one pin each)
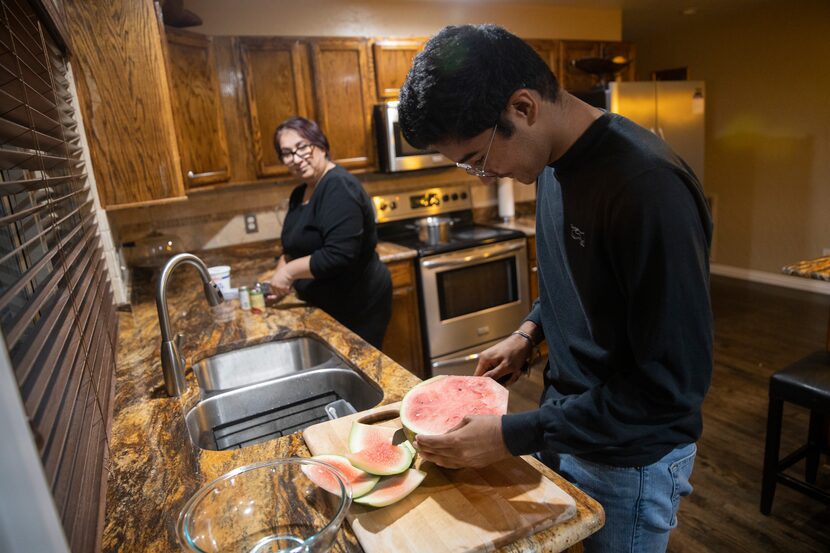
(266, 410)
(262, 362)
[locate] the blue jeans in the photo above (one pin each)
(640, 502)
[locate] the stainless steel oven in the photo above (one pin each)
(474, 295)
(473, 284)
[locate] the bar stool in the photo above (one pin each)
(806, 383)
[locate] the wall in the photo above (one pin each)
(214, 219)
(401, 18)
(767, 125)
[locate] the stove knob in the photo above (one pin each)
(383, 206)
(463, 195)
(446, 197)
(455, 196)
(393, 205)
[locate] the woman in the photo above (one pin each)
(329, 237)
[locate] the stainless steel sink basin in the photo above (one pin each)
(262, 362)
(267, 410)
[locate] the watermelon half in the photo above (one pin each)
(360, 481)
(364, 436)
(437, 405)
(393, 488)
(382, 459)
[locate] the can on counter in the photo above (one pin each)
(244, 298)
(257, 299)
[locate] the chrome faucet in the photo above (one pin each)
(172, 360)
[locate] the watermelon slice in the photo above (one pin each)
(382, 459)
(360, 481)
(393, 488)
(363, 436)
(440, 403)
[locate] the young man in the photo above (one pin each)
(622, 238)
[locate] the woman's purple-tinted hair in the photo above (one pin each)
(306, 128)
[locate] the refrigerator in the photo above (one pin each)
(673, 110)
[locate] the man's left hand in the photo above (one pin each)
(476, 442)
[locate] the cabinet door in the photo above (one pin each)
(393, 59)
(625, 50)
(403, 335)
(197, 110)
(134, 151)
(277, 78)
(549, 51)
(572, 78)
(343, 100)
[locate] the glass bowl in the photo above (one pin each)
(266, 507)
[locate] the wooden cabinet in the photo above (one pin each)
(197, 110)
(625, 50)
(549, 51)
(403, 335)
(570, 77)
(120, 70)
(575, 79)
(392, 60)
(343, 99)
(277, 77)
(323, 79)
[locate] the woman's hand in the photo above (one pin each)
(282, 280)
(508, 358)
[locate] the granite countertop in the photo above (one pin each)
(153, 466)
(523, 223)
(818, 269)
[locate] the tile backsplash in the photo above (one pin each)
(215, 219)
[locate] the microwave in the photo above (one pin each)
(395, 153)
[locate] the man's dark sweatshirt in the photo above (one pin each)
(622, 238)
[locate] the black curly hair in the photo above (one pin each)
(460, 84)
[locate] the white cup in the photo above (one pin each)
(221, 276)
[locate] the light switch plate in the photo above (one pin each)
(250, 223)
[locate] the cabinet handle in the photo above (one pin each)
(207, 177)
(533, 269)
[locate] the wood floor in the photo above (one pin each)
(758, 329)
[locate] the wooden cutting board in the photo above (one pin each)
(452, 510)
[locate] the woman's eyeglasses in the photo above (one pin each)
(480, 171)
(302, 151)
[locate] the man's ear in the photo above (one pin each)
(524, 104)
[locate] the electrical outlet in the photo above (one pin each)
(250, 223)
(825, 251)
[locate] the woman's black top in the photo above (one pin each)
(337, 229)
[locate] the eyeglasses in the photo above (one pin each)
(479, 171)
(302, 151)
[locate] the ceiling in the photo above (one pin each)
(638, 14)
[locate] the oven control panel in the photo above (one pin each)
(421, 203)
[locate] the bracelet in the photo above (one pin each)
(533, 351)
(524, 335)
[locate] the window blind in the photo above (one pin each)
(56, 307)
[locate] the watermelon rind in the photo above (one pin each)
(360, 481)
(412, 427)
(364, 435)
(392, 489)
(367, 459)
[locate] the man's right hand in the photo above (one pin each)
(507, 358)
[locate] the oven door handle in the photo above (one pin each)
(468, 258)
(455, 361)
